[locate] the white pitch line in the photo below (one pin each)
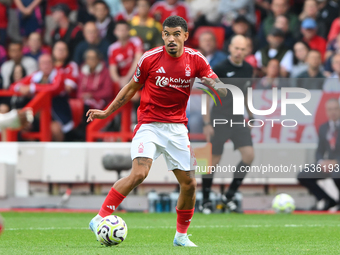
(193, 226)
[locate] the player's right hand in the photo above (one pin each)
(208, 131)
(95, 114)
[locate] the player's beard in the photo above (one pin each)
(172, 50)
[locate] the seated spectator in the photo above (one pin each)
(240, 26)
(333, 47)
(275, 49)
(18, 73)
(128, 12)
(95, 85)
(328, 12)
(124, 54)
(34, 47)
(207, 46)
(62, 62)
(17, 102)
(315, 42)
(310, 10)
(282, 22)
(3, 55)
(280, 7)
(230, 10)
(250, 57)
(115, 7)
(30, 16)
(50, 24)
(49, 79)
(3, 23)
(86, 12)
(327, 157)
(16, 58)
(332, 83)
(301, 50)
(92, 40)
(104, 22)
(313, 77)
(163, 9)
(66, 31)
(272, 79)
(145, 27)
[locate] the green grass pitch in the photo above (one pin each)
(67, 233)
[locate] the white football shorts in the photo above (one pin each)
(170, 139)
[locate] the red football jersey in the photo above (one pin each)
(72, 4)
(167, 84)
(3, 16)
(161, 10)
(123, 55)
(71, 74)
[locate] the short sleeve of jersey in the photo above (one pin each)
(141, 72)
(112, 54)
(204, 69)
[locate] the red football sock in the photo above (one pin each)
(112, 201)
(183, 220)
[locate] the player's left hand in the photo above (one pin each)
(95, 114)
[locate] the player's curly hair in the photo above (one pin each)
(175, 21)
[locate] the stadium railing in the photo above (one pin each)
(94, 130)
(40, 103)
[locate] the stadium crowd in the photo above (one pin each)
(88, 49)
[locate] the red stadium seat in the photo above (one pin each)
(77, 108)
(219, 33)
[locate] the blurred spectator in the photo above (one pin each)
(328, 12)
(104, 22)
(3, 55)
(333, 47)
(230, 10)
(310, 10)
(18, 73)
(95, 86)
(163, 9)
(326, 158)
(93, 40)
(240, 26)
(272, 79)
(62, 62)
(50, 24)
(66, 31)
(301, 50)
(86, 12)
(128, 12)
(204, 12)
(275, 49)
(332, 83)
(115, 7)
(30, 16)
(280, 7)
(250, 57)
(124, 54)
(145, 27)
(312, 78)
(282, 22)
(16, 58)
(17, 102)
(3, 21)
(207, 46)
(35, 47)
(315, 42)
(49, 79)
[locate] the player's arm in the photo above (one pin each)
(213, 83)
(124, 95)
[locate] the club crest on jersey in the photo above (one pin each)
(140, 148)
(187, 70)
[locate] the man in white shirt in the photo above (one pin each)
(16, 58)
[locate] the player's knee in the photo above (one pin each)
(248, 156)
(189, 186)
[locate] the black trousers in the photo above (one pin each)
(309, 179)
